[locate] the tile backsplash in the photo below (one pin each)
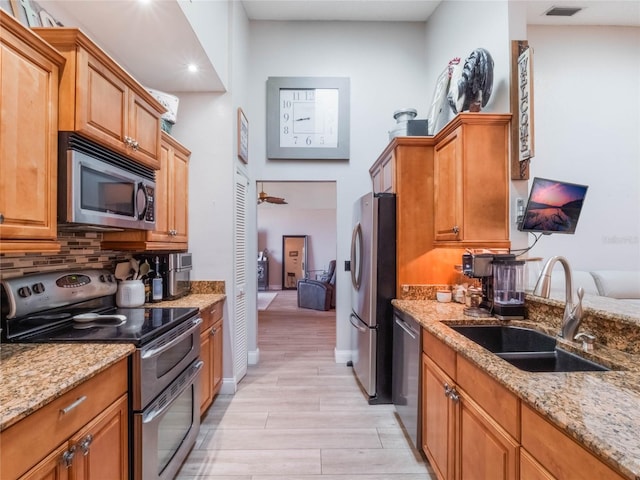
(79, 250)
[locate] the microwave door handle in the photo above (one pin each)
(141, 199)
(153, 352)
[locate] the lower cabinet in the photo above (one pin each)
(549, 453)
(460, 439)
(81, 435)
(473, 428)
(210, 354)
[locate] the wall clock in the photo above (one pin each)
(308, 118)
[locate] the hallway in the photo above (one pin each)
(300, 416)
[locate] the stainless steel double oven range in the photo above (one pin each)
(163, 376)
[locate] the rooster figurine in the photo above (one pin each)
(472, 83)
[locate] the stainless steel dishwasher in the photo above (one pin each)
(406, 373)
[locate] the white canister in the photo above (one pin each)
(130, 294)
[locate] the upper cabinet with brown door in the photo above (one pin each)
(101, 101)
(29, 74)
(172, 206)
(471, 182)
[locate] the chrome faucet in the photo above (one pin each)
(572, 313)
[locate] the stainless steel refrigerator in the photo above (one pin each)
(373, 280)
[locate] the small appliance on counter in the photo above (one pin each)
(503, 284)
(175, 271)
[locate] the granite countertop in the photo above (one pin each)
(601, 410)
(35, 374)
(199, 300)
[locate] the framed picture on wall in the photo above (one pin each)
(243, 137)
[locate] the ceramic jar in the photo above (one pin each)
(130, 294)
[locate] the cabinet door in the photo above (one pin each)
(530, 469)
(217, 357)
(447, 219)
(438, 420)
(101, 102)
(180, 196)
(28, 150)
(206, 381)
(485, 449)
(144, 129)
(102, 445)
(50, 468)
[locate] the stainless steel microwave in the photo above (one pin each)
(102, 190)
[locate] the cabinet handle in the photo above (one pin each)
(128, 140)
(455, 229)
(213, 332)
(85, 443)
(1, 218)
(135, 145)
(453, 395)
(68, 408)
(67, 456)
(447, 390)
(212, 311)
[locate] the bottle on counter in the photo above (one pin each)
(156, 283)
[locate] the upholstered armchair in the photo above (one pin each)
(318, 294)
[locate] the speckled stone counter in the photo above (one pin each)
(198, 300)
(601, 410)
(35, 374)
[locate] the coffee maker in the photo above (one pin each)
(503, 284)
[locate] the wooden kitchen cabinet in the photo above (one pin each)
(29, 77)
(405, 168)
(51, 442)
(462, 439)
(172, 206)
(210, 354)
(471, 182)
(101, 101)
(551, 454)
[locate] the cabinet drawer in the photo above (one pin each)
(442, 355)
(502, 405)
(559, 454)
(210, 315)
(31, 439)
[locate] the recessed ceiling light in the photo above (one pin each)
(192, 67)
(562, 11)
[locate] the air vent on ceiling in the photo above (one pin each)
(562, 11)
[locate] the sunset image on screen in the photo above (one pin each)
(553, 206)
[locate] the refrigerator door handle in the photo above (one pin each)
(356, 256)
(357, 324)
(404, 326)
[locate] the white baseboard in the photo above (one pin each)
(253, 357)
(229, 386)
(342, 356)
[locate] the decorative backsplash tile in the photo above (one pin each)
(78, 251)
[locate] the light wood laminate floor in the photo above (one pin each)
(300, 416)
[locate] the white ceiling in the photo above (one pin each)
(154, 44)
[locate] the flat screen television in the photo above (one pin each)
(553, 207)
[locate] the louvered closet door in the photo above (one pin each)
(239, 334)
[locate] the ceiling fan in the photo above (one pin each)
(263, 197)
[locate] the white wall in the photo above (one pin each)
(385, 62)
(273, 223)
(587, 130)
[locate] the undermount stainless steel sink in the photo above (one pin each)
(526, 349)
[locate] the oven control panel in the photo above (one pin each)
(42, 291)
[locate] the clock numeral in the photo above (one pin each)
(286, 117)
(321, 140)
(286, 104)
(286, 130)
(308, 141)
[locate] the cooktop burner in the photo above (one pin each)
(41, 309)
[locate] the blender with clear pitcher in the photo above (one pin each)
(508, 287)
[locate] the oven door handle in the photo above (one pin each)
(154, 352)
(149, 416)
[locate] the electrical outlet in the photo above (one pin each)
(519, 210)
